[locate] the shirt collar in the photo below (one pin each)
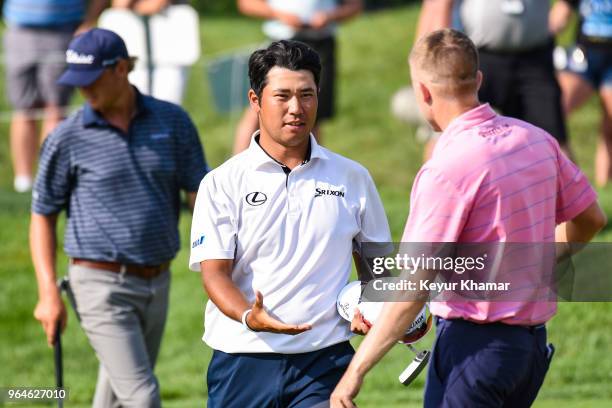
(259, 157)
(91, 117)
(467, 120)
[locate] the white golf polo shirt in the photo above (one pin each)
(291, 237)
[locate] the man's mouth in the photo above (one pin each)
(295, 124)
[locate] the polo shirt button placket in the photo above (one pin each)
(293, 201)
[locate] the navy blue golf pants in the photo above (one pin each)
(486, 365)
(271, 380)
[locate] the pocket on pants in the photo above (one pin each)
(92, 289)
(79, 275)
(434, 366)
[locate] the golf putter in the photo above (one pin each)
(421, 357)
(63, 285)
(57, 351)
(416, 365)
(59, 368)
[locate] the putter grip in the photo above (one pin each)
(57, 353)
(62, 285)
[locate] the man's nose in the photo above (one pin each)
(295, 105)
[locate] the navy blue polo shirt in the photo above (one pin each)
(121, 191)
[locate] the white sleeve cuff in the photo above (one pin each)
(206, 254)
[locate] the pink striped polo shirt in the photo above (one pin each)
(495, 179)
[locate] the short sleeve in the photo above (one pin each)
(213, 229)
(374, 226)
(52, 186)
(574, 192)
(438, 211)
(192, 166)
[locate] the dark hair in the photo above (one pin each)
(293, 55)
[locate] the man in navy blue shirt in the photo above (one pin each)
(117, 167)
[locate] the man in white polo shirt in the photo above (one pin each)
(274, 231)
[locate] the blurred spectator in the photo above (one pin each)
(313, 22)
(160, 71)
(516, 55)
(35, 40)
(589, 69)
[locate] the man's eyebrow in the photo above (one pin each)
(286, 90)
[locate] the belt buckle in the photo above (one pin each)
(122, 269)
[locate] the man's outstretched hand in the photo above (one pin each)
(259, 320)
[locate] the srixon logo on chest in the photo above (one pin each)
(322, 192)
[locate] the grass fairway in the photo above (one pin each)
(372, 67)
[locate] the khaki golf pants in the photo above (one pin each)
(123, 317)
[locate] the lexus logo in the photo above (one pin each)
(255, 198)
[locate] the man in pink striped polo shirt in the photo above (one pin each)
(490, 179)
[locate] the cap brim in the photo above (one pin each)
(79, 77)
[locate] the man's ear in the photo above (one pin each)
(254, 101)
(426, 93)
(123, 67)
(479, 77)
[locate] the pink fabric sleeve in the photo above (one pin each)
(574, 192)
(438, 211)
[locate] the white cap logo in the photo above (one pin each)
(73, 57)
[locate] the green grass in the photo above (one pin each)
(372, 67)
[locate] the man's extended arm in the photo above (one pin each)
(50, 308)
(223, 292)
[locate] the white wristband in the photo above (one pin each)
(243, 319)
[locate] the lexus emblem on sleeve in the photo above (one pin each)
(256, 198)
